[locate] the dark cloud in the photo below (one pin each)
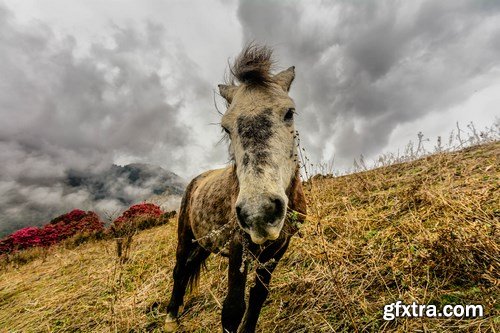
(62, 109)
(142, 92)
(364, 67)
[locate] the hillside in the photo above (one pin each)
(425, 231)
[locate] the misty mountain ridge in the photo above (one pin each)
(127, 184)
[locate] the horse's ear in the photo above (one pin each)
(285, 78)
(227, 91)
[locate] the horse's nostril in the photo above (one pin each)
(278, 205)
(276, 210)
(242, 216)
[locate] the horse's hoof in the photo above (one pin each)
(171, 324)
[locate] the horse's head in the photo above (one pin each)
(259, 122)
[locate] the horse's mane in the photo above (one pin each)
(253, 66)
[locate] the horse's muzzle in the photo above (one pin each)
(263, 221)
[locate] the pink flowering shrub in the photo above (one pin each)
(73, 216)
(27, 237)
(142, 210)
(138, 217)
(74, 222)
(81, 225)
(60, 228)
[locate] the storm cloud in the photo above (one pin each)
(364, 67)
(93, 84)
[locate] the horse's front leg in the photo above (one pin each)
(234, 304)
(260, 290)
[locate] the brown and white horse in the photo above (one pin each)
(251, 208)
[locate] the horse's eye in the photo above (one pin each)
(226, 130)
(289, 114)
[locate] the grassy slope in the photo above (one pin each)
(425, 231)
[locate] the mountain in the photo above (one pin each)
(126, 184)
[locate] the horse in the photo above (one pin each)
(250, 209)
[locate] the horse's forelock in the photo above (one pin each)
(253, 66)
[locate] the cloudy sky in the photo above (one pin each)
(89, 83)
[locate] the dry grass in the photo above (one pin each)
(426, 231)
